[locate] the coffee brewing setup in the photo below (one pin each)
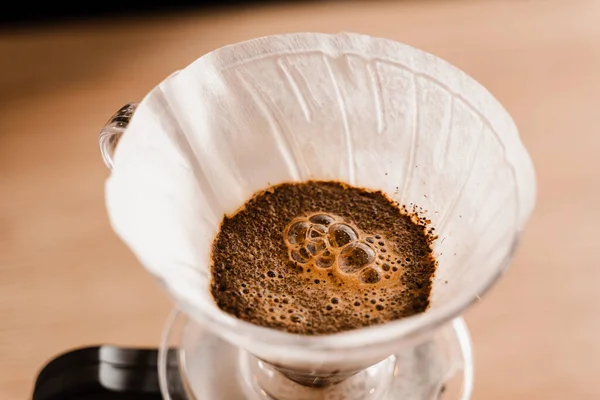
(370, 112)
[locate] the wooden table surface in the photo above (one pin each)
(67, 281)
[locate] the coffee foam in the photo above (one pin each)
(330, 254)
(332, 258)
(322, 244)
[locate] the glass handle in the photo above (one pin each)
(113, 130)
(171, 368)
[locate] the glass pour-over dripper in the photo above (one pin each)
(369, 112)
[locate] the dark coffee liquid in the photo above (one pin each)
(321, 257)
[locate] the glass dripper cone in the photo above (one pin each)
(369, 112)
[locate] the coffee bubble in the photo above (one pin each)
(316, 246)
(296, 318)
(355, 256)
(322, 219)
(297, 233)
(369, 275)
(300, 255)
(317, 231)
(325, 260)
(341, 234)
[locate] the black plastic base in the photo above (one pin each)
(101, 372)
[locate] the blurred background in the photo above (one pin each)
(61, 11)
(67, 281)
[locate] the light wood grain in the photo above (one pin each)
(67, 281)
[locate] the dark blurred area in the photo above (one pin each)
(22, 13)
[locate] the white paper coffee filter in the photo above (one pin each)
(370, 112)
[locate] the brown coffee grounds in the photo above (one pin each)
(321, 257)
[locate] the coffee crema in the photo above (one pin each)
(321, 257)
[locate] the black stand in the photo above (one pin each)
(103, 372)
